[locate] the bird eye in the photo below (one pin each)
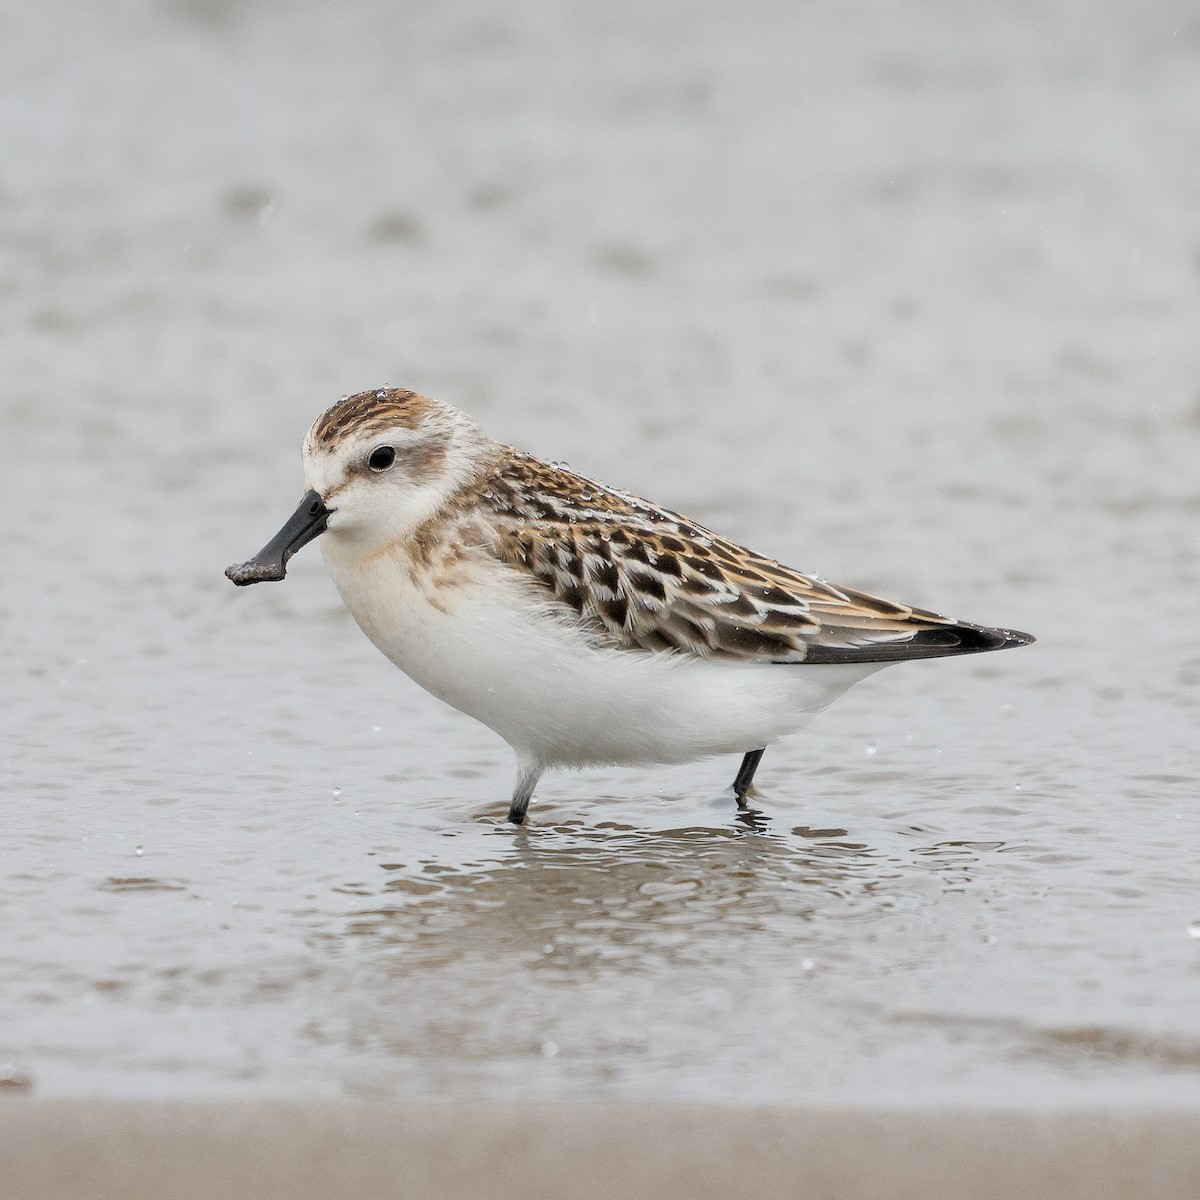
(381, 458)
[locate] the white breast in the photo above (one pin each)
(494, 650)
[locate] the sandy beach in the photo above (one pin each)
(103, 1151)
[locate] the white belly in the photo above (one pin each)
(495, 653)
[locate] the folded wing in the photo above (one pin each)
(651, 579)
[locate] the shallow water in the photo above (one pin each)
(908, 300)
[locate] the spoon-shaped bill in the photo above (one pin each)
(270, 563)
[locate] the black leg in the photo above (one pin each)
(528, 775)
(745, 775)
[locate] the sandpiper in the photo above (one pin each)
(585, 625)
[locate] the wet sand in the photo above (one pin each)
(904, 294)
(131, 1151)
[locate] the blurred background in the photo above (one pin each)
(904, 293)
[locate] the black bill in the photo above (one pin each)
(270, 563)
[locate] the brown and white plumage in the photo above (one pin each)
(653, 580)
(582, 623)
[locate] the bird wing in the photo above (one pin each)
(651, 579)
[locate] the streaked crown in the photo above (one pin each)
(366, 413)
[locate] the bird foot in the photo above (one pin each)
(742, 796)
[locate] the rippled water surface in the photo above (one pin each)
(909, 300)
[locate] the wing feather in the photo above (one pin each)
(650, 579)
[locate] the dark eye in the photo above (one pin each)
(381, 458)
